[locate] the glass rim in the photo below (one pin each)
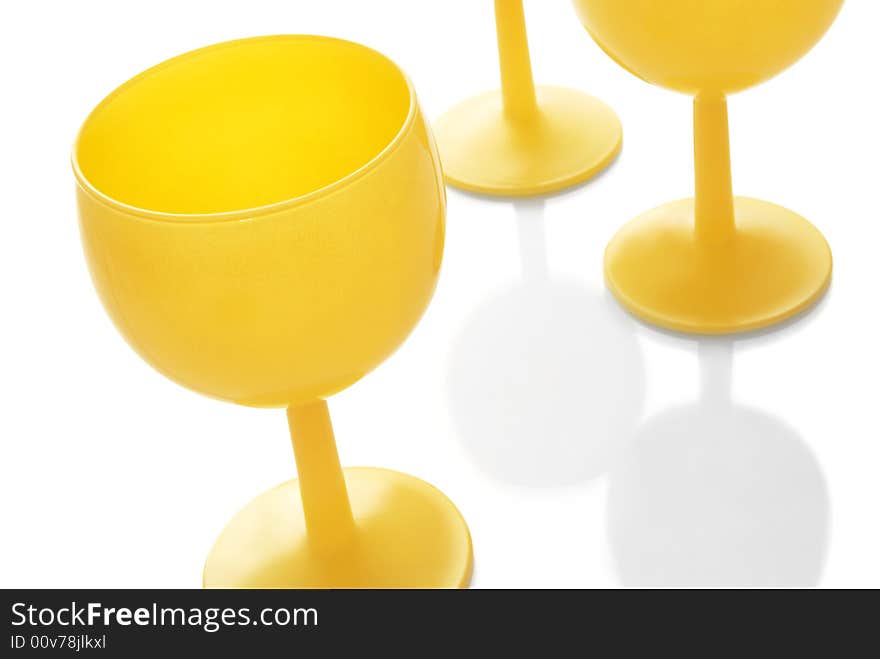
(263, 210)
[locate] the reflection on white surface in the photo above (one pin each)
(715, 494)
(546, 382)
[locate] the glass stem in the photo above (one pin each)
(714, 213)
(327, 509)
(517, 84)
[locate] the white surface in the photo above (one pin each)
(520, 391)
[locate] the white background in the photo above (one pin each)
(525, 395)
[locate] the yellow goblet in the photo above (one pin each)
(714, 264)
(264, 222)
(524, 141)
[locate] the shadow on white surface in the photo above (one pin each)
(546, 382)
(716, 494)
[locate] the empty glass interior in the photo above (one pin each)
(243, 125)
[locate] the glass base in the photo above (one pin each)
(774, 266)
(407, 535)
(572, 138)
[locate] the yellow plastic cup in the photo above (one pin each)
(714, 264)
(264, 222)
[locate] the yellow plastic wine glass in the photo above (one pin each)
(714, 264)
(524, 141)
(264, 221)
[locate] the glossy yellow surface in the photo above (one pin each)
(523, 141)
(714, 264)
(368, 528)
(263, 219)
(777, 266)
(409, 535)
(697, 46)
(264, 222)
